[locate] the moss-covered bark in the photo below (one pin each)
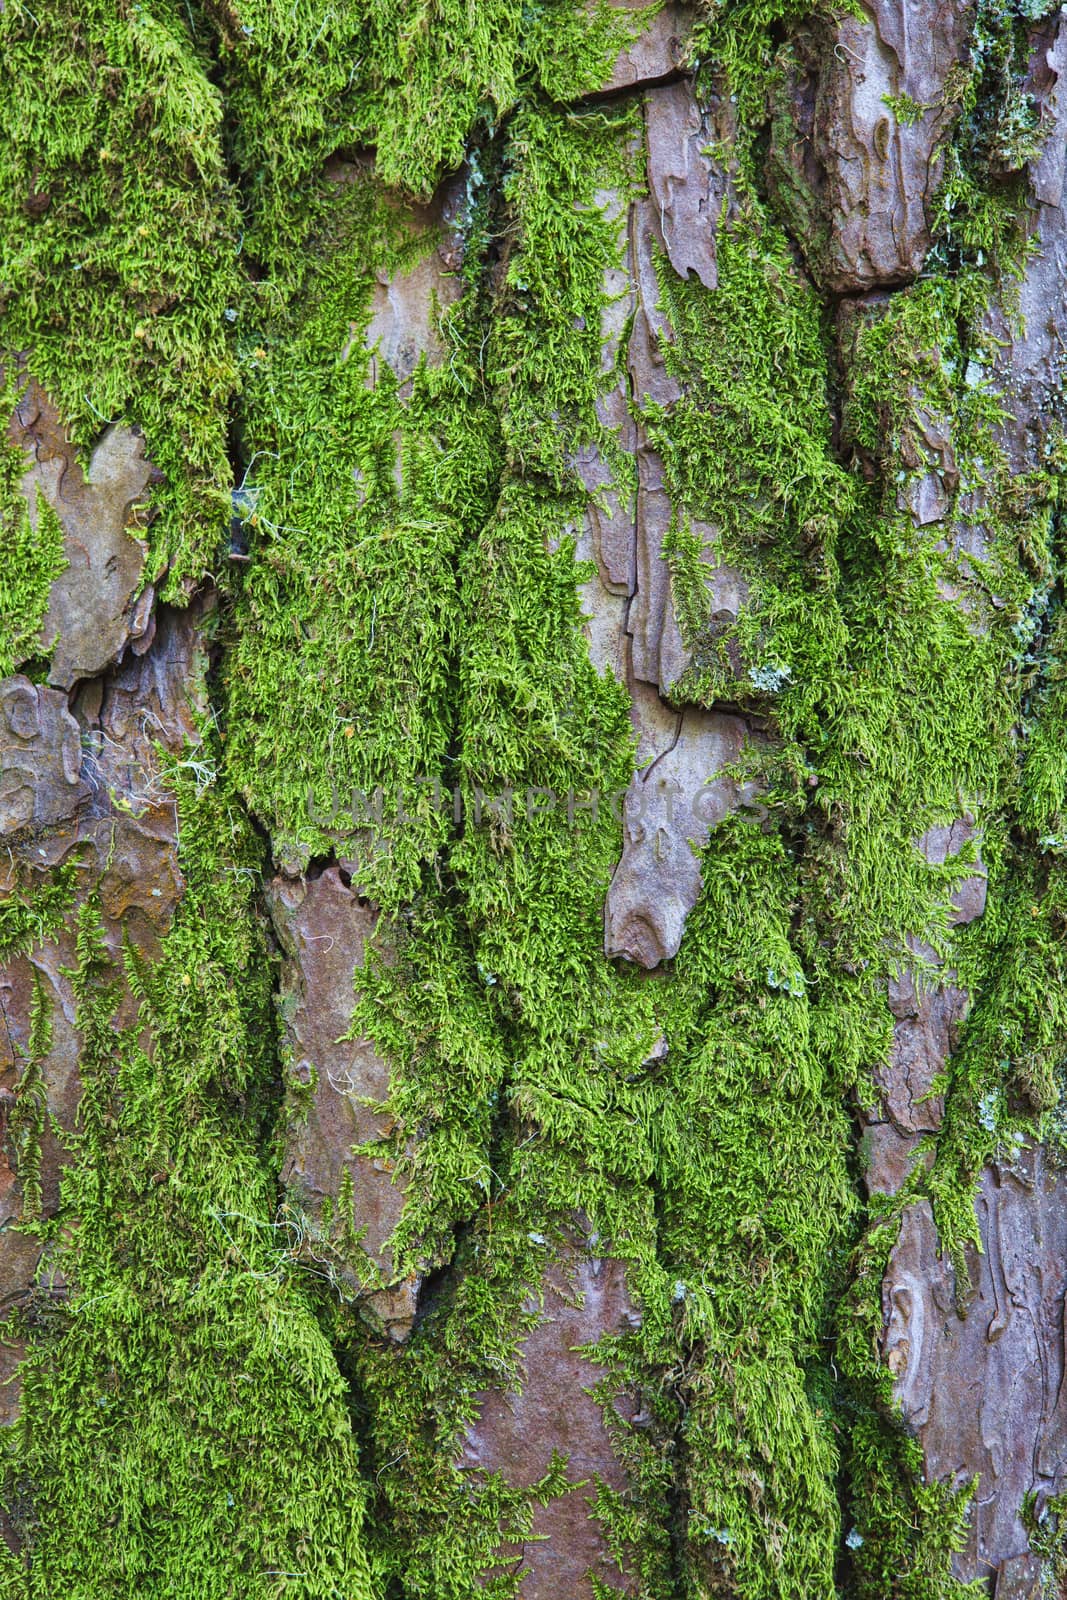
(533, 924)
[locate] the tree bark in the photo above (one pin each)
(532, 793)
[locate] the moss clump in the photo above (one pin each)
(982, 194)
(757, 1214)
(502, 959)
(182, 1418)
(847, 641)
(741, 38)
(747, 448)
(27, 1118)
(347, 616)
(33, 910)
(413, 81)
(119, 234)
(126, 236)
(29, 560)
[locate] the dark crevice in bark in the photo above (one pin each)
(270, 1102)
(602, 97)
(676, 1495)
(1039, 662)
(317, 865)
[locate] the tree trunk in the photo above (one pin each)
(532, 790)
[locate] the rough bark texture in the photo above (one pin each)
(533, 800)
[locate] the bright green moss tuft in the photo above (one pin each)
(183, 1424)
(118, 253)
(417, 82)
(347, 616)
(35, 910)
(29, 560)
(757, 1214)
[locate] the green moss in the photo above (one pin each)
(507, 1034)
(29, 559)
(428, 1010)
(846, 640)
(34, 910)
(982, 197)
(420, 83)
(731, 1249)
(904, 1530)
(408, 564)
(741, 38)
(747, 449)
(756, 1216)
(121, 225)
(118, 234)
(347, 615)
(409, 623)
(182, 1417)
(892, 670)
(906, 110)
(27, 1118)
